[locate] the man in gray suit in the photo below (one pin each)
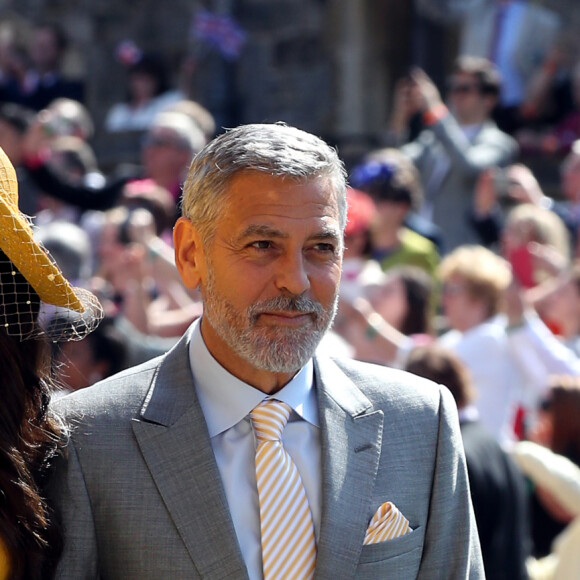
(458, 143)
(158, 479)
(519, 36)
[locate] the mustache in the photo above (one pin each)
(299, 303)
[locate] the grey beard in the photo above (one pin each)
(274, 349)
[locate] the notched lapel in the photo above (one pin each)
(173, 438)
(351, 435)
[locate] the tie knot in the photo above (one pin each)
(269, 419)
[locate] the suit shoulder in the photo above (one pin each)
(387, 385)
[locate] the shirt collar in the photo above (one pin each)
(226, 400)
(472, 130)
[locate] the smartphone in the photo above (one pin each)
(500, 181)
(522, 263)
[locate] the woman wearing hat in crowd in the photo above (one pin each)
(32, 289)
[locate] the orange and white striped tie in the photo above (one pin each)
(288, 542)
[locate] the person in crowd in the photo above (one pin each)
(393, 183)
(497, 191)
(44, 81)
(15, 121)
(73, 161)
(147, 194)
(140, 284)
(30, 283)
(560, 478)
(516, 35)
(357, 266)
(169, 145)
(70, 245)
(474, 280)
(498, 489)
(457, 145)
(83, 363)
(264, 204)
(14, 59)
(393, 314)
(557, 430)
(558, 303)
(568, 208)
(198, 113)
(125, 261)
(539, 232)
(147, 95)
(533, 343)
(61, 119)
(556, 139)
(67, 118)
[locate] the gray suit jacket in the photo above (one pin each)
(450, 190)
(141, 496)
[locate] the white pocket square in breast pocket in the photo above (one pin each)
(387, 523)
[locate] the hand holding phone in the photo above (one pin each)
(522, 262)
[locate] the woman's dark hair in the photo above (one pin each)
(444, 367)
(108, 345)
(388, 175)
(153, 65)
(418, 287)
(29, 436)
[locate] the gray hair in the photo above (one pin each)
(274, 149)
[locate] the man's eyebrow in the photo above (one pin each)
(327, 233)
(263, 231)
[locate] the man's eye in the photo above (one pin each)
(261, 244)
(325, 248)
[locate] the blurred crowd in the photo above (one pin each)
(460, 264)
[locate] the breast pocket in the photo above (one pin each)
(398, 558)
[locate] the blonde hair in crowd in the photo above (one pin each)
(540, 225)
(486, 274)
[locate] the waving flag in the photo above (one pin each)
(220, 31)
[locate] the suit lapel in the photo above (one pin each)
(351, 435)
(175, 444)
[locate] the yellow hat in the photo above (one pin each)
(27, 255)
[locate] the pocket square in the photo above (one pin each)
(387, 523)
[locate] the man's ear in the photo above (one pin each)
(189, 257)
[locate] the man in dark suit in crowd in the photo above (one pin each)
(44, 81)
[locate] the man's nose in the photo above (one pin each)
(292, 275)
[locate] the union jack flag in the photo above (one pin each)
(220, 31)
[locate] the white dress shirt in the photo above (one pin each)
(226, 403)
